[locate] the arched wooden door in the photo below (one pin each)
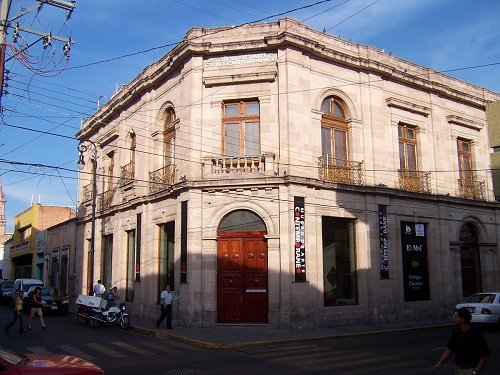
(242, 270)
(470, 261)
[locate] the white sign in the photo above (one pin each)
(241, 59)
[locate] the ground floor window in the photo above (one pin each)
(166, 256)
(129, 296)
(107, 261)
(339, 263)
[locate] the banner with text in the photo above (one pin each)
(415, 267)
(300, 246)
(384, 241)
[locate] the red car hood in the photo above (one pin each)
(59, 364)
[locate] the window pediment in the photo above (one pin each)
(462, 121)
(408, 106)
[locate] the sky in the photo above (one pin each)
(48, 95)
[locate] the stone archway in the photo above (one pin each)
(470, 262)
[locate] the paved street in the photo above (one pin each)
(131, 352)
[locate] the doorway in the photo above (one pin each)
(242, 269)
(469, 260)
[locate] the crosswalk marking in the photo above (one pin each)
(75, 351)
(132, 348)
(159, 346)
(104, 349)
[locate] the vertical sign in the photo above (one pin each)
(299, 230)
(184, 232)
(415, 267)
(384, 241)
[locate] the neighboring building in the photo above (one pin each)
(28, 245)
(275, 174)
(493, 118)
(5, 250)
(60, 256)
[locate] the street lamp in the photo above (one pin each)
(84, 146)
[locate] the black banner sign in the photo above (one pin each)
(415, 267)
(384, 241)
(299, 248)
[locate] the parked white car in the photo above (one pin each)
(484, 307)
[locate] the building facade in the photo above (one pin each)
(275, 174)
(27, 250)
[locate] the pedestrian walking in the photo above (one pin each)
(468, 345)
(166, 307)
(36, 308)
(18, 314)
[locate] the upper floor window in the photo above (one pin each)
(241, 128)
(133, 144)
(168, 137)
(464, 159)
(334, 131)
(111, 167)
(407, 147)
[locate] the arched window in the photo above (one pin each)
(168, 136)
(334, 131)
(242, 220)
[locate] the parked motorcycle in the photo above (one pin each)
(100, 313)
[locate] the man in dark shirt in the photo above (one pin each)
(468, 345)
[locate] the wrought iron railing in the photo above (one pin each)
(232, 164)
(471, 189)
(415, 181)
(162, 178)
(87, 193)
(127, 174)
(340, 171)
(104, 200)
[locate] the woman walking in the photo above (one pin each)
(18, 313)
(36, 308)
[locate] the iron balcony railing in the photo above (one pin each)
(471, 189)
(415, 181)
(127, 174)
(104, 200)
(87, 193)
(162, 178)
(340, 171)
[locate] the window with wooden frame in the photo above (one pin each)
(407, 147)
(241, 128)
(465, 159)
(168, 137)
(334, 147)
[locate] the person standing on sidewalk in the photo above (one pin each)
(18, 313)
(166, 307)
(468, 345)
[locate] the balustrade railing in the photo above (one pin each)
(340, 171)
(415, 181)
(104, 200)
(232, 164)
(162, 178)
(471, 189)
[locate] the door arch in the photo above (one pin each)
(470, 262)
(242, 279)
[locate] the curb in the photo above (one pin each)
(240, 345)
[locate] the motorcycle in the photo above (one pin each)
(102, 314)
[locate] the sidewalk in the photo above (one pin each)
(239, 336)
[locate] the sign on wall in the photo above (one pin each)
(415, 266)
(299, 231)
(384, 241)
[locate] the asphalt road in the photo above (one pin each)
(124, 352)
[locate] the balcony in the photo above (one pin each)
(471, 189)
(104, 200)
(415, 181)
(162, 178)
(340, 171)
(87, 193)
(239, 166)
(127, 174)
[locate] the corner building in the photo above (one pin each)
(275, 174)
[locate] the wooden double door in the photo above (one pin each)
(242, 289)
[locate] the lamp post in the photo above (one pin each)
(84, 146)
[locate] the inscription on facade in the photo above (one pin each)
(254, 58)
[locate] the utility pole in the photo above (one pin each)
(6, 22)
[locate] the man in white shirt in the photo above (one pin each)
(166, 307)
(99, 289)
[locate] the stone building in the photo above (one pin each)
(275, 174)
